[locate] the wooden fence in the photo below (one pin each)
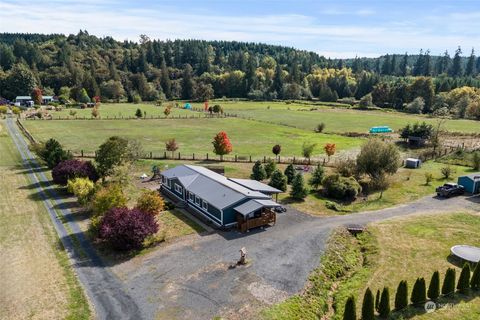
(195, 115)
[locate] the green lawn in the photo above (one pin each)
(337, 119)
(192, 135)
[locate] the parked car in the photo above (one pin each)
(449, 190)
(280, 209)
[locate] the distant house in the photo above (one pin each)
(470, 182)
(27, 101)
(223, 201)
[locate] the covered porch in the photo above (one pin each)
(255, 213)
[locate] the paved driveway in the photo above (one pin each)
(191, 279)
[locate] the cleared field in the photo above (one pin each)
(337, 119)
(192, 135)
(416, 247)
(36, 278)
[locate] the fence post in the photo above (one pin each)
(293, 160)
(179, 156)
(235, 158)
(151, 156)
(207, 155)
(264, 159)
(81, 152)
(250, 159)
(193, 156)
(165, 154)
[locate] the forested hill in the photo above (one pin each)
(82, 66)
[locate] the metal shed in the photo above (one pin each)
(470, 182)
(413, 163)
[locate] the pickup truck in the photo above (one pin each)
(449, 190)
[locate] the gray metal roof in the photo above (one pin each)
(473, 176)
(253, 205)
(214, 188)
(23, 98)
(256, 185)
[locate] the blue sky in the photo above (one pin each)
(332, 28)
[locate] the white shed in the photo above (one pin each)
(413, 163)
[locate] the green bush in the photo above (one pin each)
(258, 172)
(350, 312)
(278, 180)
(150, 202)
(434, 286)
(419, 292)
(270, 167)
(290, 173)
(368, 312)
(384, 307)
(342, 188)
(50, 152)
(401, 297)
(317, 177)
(82, 188)
(448, 287)
(108, 197)
(464, 280)
(299, 191)
(475, 281)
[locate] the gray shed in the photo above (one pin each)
(413, 163)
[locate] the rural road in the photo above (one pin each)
(190, 279)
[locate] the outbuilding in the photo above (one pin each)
(470, 182)
(413, 163)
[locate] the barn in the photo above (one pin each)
(223, 201)
(470, 182)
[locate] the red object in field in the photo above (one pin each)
(206, 105)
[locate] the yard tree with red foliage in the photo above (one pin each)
(125, 229)
(171, 145)
(73, 168)
(37, 96)
(221, 144)
(330, 149)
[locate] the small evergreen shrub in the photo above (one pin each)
(419, 292)
(475, 281)
(258, 172)
(384, 307)
(278, 180)
(341, 188)
(448, 287)
(299, 191)
(368, 312)
(464, 280)
(401, 297)
(290, 173)
(270, 167)
(350, 312)
(434, 286)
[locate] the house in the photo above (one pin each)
(226, 202)
(470, 182)
(23, 101)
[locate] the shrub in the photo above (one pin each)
(368, 312)
(107, 198)
(342, 188)
(290, 173)
(317, 177)
(428, 178)
(73, 168)
(384, 307)
(82, 188)
(401, 297)
(3, 109)
(298, 192)
(276, 149)
(378, 158)
(464, 280)
(475, 281)
(434, 287)
(151, 202)
(138, 113)
(419, 292)
(416, 106)
(51, 153)
(377, 300)
(448, 287)
(366, 101)
(72, 112)
(447, 172)
(346, 167)
(476, 160)
(350, 312)
(126, 229)
(270, 167)
(278, 180)
(320, 127)
(16, 110)
(307, 149)
(258, 172)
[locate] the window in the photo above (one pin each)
(191, 197)
(178, 188)
(167, 181)
(197, 200)
(205, 205)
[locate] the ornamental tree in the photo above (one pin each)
(384, 307)
(276, 150)
(151, 202)
(126, 229)
(330, 149)
(368, 312)
(278, 180)
(464, 280)
(51, 152)
(37, 96)
(419, 292)
(299, 191)
(82, 188)
(290, 173)
(350, 312)
(221, 144)
(270, 167)
(138, 113)
(171, 145)
(401, 296)
(434, 286)
(108, 197)
(73, 168)
(317, 177)
(258, 172)
(448, 287)
(110, 154)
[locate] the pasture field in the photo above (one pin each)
(336, 119)
(192, 135)
(36, 278)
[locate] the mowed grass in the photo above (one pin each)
(414, 247)
(175, 224)
(405, 186)
(192, 135)
(36, 278)
(336, 119)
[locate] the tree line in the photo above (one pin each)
(82, 66)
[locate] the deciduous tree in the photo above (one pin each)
(221, 144)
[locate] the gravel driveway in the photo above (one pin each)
(191, 279)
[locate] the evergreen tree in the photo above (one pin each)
(386, 65)
(290, 173)
(188, 85)
(258, 172)
(470, 69)
(448, 287)
(298, 192)
(317, 177)
(456, 70)
(475, 281)
(165, 81)
(401, 296)
(464, 280)
(350, 312)
(138, 113)
(419, 292)
(278, 180)
(434, 286)
(384, 308)
(404, 65)
(270, 167)
(278, 80)
(368, 312)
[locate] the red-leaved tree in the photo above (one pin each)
(74, 168)
(37, 96)
(171, 145)
(330, 149)
(126, 229)
(221, 144)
